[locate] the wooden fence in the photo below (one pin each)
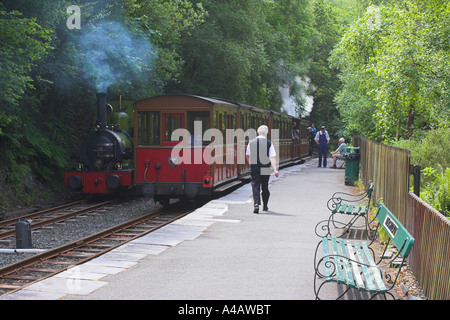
(389, 169)
(430, 258)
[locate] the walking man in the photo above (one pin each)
(323, 139)
(261, 155)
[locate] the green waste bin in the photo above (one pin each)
(352, 166)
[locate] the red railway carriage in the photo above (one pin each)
(186, 146)
(167, 167)
(183, 146)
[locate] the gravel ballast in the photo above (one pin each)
(78, 228)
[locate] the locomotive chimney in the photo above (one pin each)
(101, 110)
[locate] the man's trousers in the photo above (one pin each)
(323, 154)
(260, 182)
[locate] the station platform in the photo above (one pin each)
(221, 251)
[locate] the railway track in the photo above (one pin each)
(16, 276)
(50, 216)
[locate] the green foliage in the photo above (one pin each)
(431, 151)
(24, 43)
(325, 78)
(27, 147)
(246, 50)
(165, 22)
(437, 192)
(4, 121)
(395, 65)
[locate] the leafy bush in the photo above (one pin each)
(430, 149)
(437, 192)
(431, 152)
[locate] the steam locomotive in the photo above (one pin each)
(164, 154)
(107, 155)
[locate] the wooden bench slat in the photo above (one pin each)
(337, 261)
(349, 209)
(348, 272)
(355, 269)
(375, 271)
(361, 258)
(362, 211)
(341, 208)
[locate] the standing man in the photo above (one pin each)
(311, 138)
(314, 131)
(312, 135)
(322, 139)
(261, 155)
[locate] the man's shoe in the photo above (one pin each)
(265, 208)
(333, 166)
(256, 209)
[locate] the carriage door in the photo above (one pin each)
(171, 122)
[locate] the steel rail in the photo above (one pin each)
(12, 221)
(53, 220)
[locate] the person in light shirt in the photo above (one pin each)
(261, 155)
(339, 152)
(322, 139)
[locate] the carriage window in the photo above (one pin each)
(148, 128)
(172, 122)
(204, 118)
(232, 123)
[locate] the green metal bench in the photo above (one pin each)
(352, 263)
(355, 206)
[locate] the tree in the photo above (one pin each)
(246, 50)
(395, 65)
(24, 44)
(220, 53)
(323, 77)
(165, 22)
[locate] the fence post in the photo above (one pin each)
(415, 171)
